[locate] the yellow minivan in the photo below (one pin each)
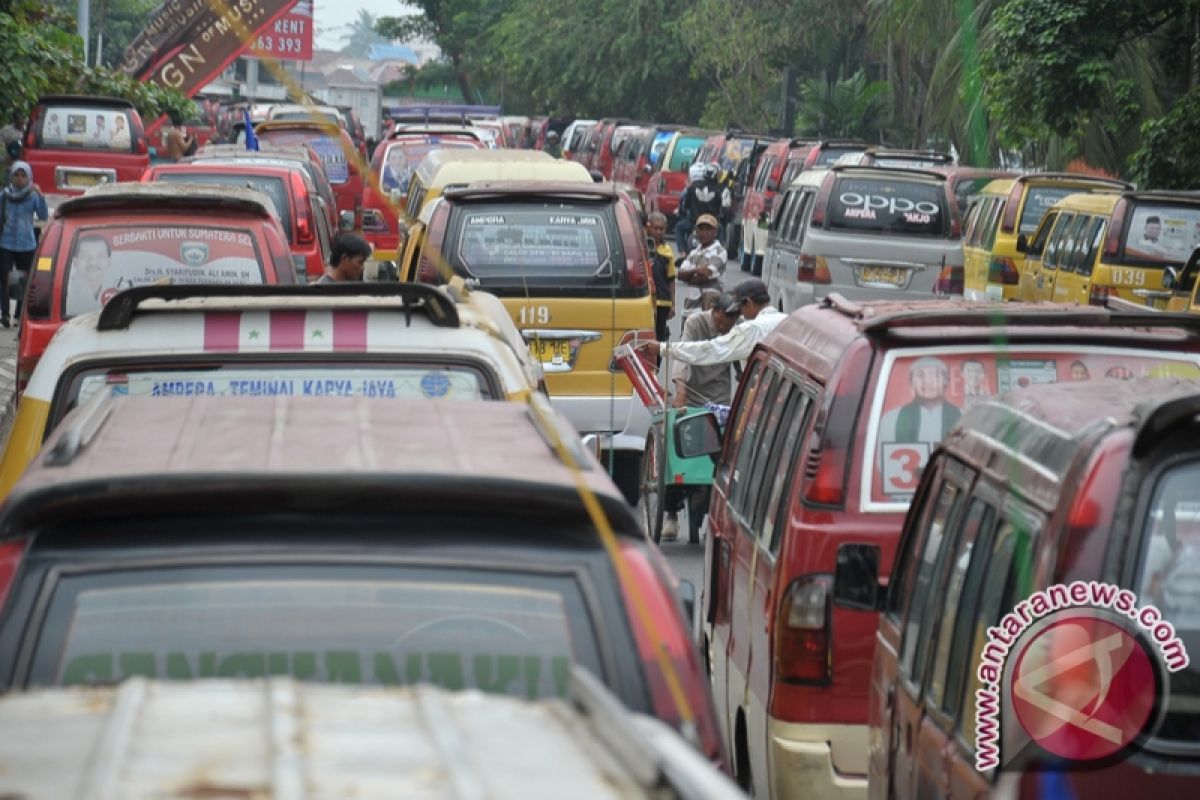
(1003, 212)
(1090, 247)
(387, 340)
(444, 168)
(569, 261)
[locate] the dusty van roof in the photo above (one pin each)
(460, 165)
(197, 197)
(188, 451)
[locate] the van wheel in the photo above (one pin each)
(653, 488)
(741, 757)
(626, 474)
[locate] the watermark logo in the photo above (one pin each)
(1086, 672)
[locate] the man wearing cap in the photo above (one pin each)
(703, 267)
(929, 416)
(751, 299)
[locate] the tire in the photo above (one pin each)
(653, 487)
(746, 260)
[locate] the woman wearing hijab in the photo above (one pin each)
(21, 201)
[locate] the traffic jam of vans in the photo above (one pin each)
(420, 422)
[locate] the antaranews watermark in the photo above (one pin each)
(1083, 685)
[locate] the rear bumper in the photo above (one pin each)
(620, 422)
(817, 761)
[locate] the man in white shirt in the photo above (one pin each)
(752, 300)
(704, 266)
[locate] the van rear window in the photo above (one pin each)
(382, 626)
(403, 157)
(1169, 578)
(1038, 201)
(831, 155)
(923, 394)
(684, 153)
(271, 187)
(328, 149)
(105, 260)
(1162, 234)
(877, 205)
(544, 244)
(86, 128)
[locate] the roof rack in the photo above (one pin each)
(1006, 314)
(1075, 176)
(889, 170)
(119, 312)
(1157, 419)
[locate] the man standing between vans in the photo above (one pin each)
(346, 259)
(664, 273)
(752, 300)
(703, 267)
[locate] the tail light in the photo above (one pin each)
(650, 590)
(1092, 510)
(40, 289)
(1009, 223)
(632, 338)
(305, 225)
(35, 124)
(1098, 295)
(141, 145)
(822, 201)
(1116, 229)
(11, 554)
(813, 269)
(803, 631)
(1003, 270)
(833, 435)
(430, 268)
(949, 281)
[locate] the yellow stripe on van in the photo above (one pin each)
(28, 431)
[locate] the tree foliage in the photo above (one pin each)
(360, 34)
(1169, 155)
(44, 56)
(852, 107)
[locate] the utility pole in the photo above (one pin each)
(82, 16)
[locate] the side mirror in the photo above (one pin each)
(1022, 243)
(698, 435)
(1170, 278)
(346, 221)
(687, 594)
(856, 578)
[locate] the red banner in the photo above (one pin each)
(188, 43)
(289, 38)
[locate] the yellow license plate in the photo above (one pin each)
(891, 275)
(551, 351)
(1159, 303)
(82, 180)
(1178, 303)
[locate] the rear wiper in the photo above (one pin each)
(605, 270)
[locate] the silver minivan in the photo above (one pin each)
(867, 233)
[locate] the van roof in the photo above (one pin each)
(540, 188)
(820, 334)
(888, 173)
(1046, 425)
(1005, 186)
(810, 177)
(1090, 202)
(196, 197)
(187, 453)
(84, 100)
(446, 167)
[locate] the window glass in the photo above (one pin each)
(105, 260)
(86, 128)
(1169, 577)
(932, 553)
(1160, 234)
(830, 155)
(743, 485)
(965, 616)
(900, 595)
(971, 224)
(383, 626)
(993, 221)
(1038, 245)
(329, 150)
(1071, 236)
(800, 216)
(1090, 237)
(784, 466)
(403, 156)
(766, 460)
(1038, 201)
(272, 187)
(874, 205)
(978, 515)
(684, 152)
(781, 212)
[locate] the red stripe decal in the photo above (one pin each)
(221, 330)
(350, 330)
(287, 330)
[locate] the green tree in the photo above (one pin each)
(853, 107)
(360, 34)
(460, 28)
(1169, 155)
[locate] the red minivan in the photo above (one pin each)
(670, 177)
(836, 415)
(337, 152)
(291, 190)
(1091, 484)
(75, 142)
(780, 162)
(132, 234)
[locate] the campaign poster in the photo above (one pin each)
(1161, 234)
(90, 128)
(107, 260)
(924, 395)
(328, 149)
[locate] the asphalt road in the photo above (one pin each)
(686, 559)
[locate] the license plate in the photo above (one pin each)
(1178, 303)
(876, 274)
(82, 180)
(551, 351)
(1159, 303)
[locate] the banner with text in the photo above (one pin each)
(289, 38)
(188, 43)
